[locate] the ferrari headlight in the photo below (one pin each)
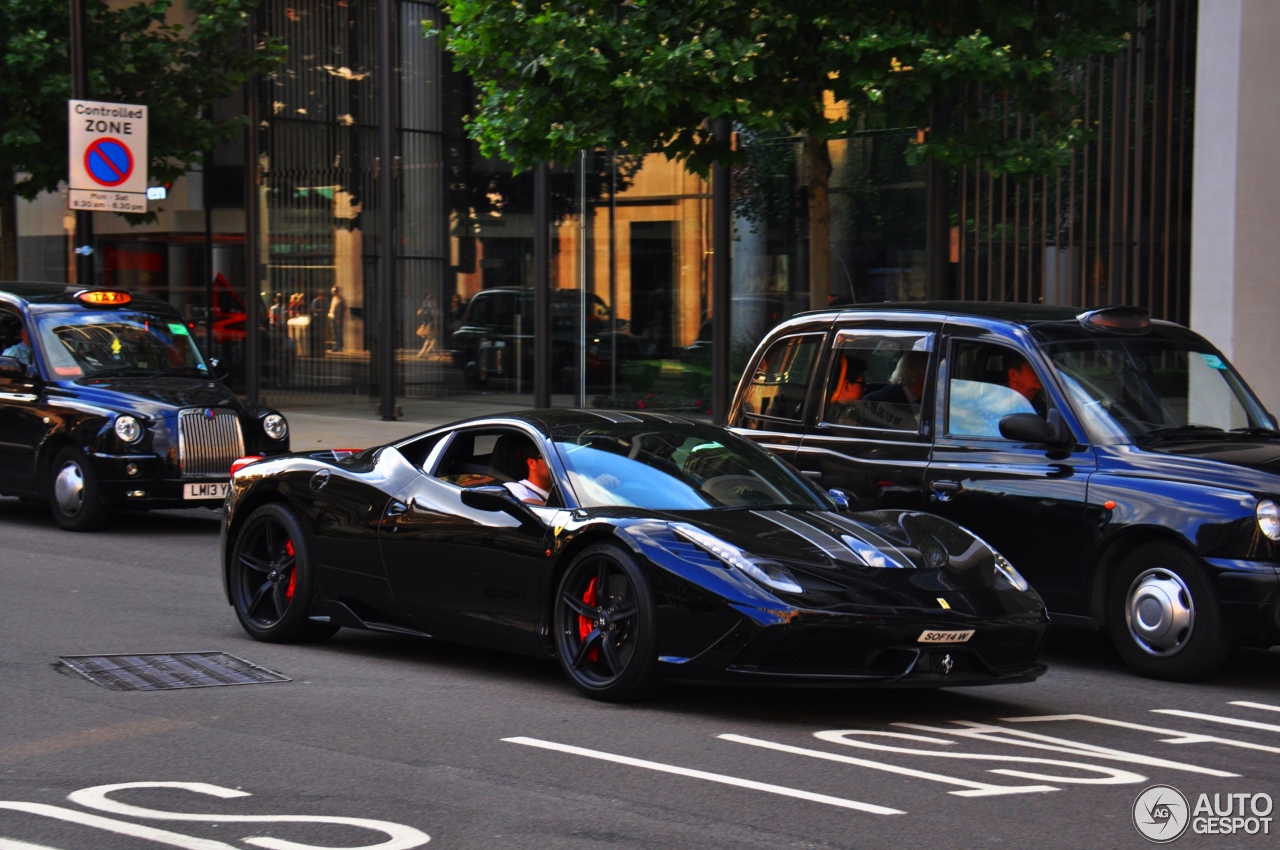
(274, 426)
(1004, 568)
(772, 575)
(1269, 519)
(128, 429)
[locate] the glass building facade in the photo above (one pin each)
(293, 299)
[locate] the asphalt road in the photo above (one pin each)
(478, 749)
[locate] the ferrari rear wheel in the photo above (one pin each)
(271, 579)
(605, 626)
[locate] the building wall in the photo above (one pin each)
(1235, 252)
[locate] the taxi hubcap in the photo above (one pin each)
(68, 489)
(1160, 612)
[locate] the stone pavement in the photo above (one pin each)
(358, 425)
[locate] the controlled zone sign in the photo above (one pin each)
(108, 156)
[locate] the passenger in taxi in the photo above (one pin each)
(1022, 378)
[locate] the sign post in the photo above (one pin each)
(108, 153)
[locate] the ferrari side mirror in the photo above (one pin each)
(843, 498)
(496, 499)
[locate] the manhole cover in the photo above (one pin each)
(162, 672)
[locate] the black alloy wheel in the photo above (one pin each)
(605, 626)
(1163, 615)
(74, 497)
(271, 579)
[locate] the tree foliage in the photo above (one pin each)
(556, 77)
(136, 55)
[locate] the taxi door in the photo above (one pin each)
(770, 408)
(873, 443)
(22, 420)
(1026, 500)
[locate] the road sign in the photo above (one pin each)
(108, 156)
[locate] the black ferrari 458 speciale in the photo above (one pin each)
(666, 549)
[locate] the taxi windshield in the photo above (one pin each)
(117, 342)
(659, 466)
(1133, 390)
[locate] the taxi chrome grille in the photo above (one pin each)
(208, 444)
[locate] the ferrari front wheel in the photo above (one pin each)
(606, 627)
(271, 579)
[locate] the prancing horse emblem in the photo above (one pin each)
(947, 664)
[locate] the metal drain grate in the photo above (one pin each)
(162, 672)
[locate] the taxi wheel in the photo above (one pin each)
(1164, 617)
(606, 626)
(272, 580)
(73, 491)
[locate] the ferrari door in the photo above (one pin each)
(460, 570)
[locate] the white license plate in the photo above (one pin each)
(945, 637)
(206, 490)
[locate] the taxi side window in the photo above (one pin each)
(877, 379)
(10, 330)
(780, 382)
(988, 382)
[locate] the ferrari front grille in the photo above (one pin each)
(208, 441)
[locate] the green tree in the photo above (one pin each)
(555, 77)
(136, 55)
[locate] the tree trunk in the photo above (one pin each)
(8, 229)
(819, 156)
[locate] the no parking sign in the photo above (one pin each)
(108, 153)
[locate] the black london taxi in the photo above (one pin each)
(1121, 464)
(106, 403)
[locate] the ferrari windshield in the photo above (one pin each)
(659, 466)
(1126, 390)
(116, 342)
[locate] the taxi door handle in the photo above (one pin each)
(812, 474)
(946, 486)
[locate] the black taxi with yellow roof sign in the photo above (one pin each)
(106, 403)
(1119, 462)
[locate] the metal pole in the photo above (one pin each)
(208, 258)
(542, 286)
(80, 91)
(580, 396)
(387, 213)
(252, 216)
(613, 273)
(721, 282)
(937, 224)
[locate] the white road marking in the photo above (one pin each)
(710, 777)
(1214, 718)
(14, 844)
(400, 837)
(1110, 775)
(1261, 706)
(149, 833)
(1178, 737)
(1021, 738)
(976, 789)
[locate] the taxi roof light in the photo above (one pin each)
(1117, 319)
(104, 297)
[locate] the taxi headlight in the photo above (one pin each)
(274, 426)
(1004, 568)
(1269, 519)
(128, 429)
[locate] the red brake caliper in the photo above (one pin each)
(585, 625)
(293, 573)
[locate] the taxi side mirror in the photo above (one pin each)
(12, 368)
(1031, 428)
(218, 369)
